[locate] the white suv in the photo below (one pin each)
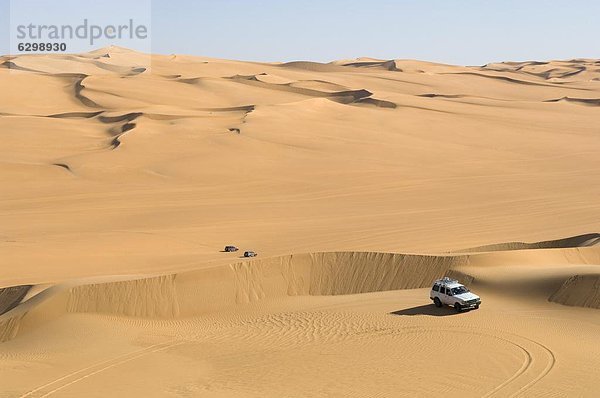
(448, 291)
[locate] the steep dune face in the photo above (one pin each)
(315, 274)
(225, 287)
(580, 291)
(10, 297)
(33, 312)
(146, 298)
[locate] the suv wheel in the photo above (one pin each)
(457, 307)
(437, 302)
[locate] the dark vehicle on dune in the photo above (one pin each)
(231, 249)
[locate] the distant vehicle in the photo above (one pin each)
(447, 291)
(250, 254)
(231, 249)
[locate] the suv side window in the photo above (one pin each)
(436, 288)
(443, 290)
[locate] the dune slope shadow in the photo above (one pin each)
(579, 291)
(10, 297)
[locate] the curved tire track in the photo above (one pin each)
(81, 374)
(305, 328)
(539, 361)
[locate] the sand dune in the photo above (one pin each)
(328, 302)
(574, 241)
(573, 70)
(372, 63)
(315, 274)
(358, 182)
(579, 290)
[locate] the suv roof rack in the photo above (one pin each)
(446, 280)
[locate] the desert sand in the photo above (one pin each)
(358, 182)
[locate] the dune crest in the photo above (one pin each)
(206, 291)
(574, 241)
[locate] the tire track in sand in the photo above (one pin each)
(306, 328)
(539, 362)
(81, 374)
(539, 359)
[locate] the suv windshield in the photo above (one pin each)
(459, 290)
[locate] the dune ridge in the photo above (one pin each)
(574, 241)
(213, 290)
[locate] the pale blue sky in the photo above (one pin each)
(465, 32)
